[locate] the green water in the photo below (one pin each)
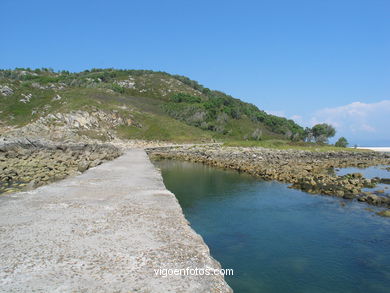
(280, 240)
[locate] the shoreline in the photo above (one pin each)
(304, 170)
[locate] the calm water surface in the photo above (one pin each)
(370, 172)
(280, 240)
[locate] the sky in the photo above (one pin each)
(308, 60)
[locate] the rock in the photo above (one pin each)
(96, 163)
(374, 199)
(83, 166)
(384, 180)
(349, 196)
(129, 83)
(26, 98)
(76, 125)
(369, 183)
(357, 175)
(56, 98)
(6, 90)
(384, 213)
(59, 177)
(355, 191)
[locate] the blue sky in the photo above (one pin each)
(311, 60)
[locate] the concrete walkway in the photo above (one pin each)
(106, 230)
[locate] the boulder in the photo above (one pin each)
(384, 180)
(83, 166)
(384, 213)
(349, 196)
(6, 90)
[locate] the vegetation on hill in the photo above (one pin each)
(164, 106)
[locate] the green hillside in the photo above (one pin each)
(156, 105)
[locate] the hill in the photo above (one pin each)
(131, 104)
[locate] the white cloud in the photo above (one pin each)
(360, 121)
(356, 116)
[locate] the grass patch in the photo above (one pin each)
(17, 113)
(156, 127)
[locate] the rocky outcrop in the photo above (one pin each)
(26, 98)
(75, 126)
(86, 120)
(6, 90)
(127, 83)
(312, 172)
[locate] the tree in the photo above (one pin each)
(342, 142)
(308, 134)
(321, 132)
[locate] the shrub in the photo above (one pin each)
(342, 142)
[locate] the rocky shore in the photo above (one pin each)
(26, 164)
(312, 172)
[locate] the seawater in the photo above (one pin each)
(370, 172)
(281, 240)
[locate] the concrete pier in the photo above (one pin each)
(106, 230)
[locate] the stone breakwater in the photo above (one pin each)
(25, 165)
(312, 172)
